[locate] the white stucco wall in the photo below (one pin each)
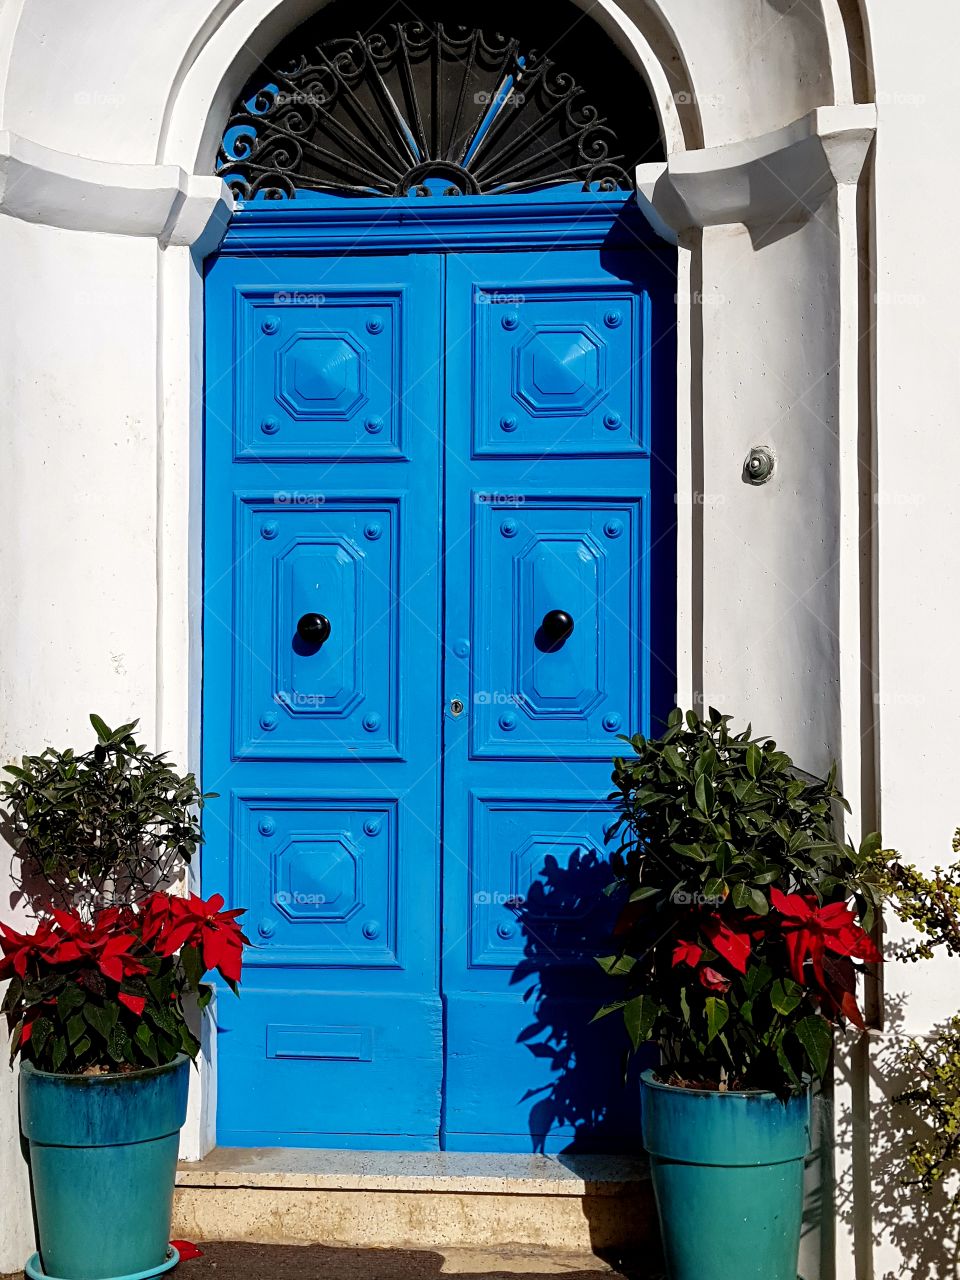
(918, 585)
(99, 391)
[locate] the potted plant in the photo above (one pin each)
(96, 1004)
(735, 952)
(105, 825)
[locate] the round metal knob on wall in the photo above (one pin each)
(759, 465)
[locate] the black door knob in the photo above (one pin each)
(557, 625)
(314, 628)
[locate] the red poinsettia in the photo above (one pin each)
(76, 975)
(180, 922)
(811, 931)
(730, 938)
(20, 948)
(107, 942)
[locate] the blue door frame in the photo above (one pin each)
(429, 425)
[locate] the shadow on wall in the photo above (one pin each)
(588, 1095)
(921, 1230)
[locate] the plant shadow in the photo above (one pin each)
(588, 1097)
(912, 1235)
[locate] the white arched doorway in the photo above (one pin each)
(769, 327)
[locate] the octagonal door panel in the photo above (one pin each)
(324, 372)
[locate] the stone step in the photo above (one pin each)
(385, 1199)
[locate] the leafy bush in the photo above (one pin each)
(934, 1099)
(931, 905)
(105, 825)
(736, 948)
(107, 994)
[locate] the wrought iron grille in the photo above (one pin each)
(423, 108)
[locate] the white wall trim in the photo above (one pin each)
(778, 177)
(38, 184)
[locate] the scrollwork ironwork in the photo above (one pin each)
(420, 108)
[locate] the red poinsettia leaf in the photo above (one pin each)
(223, 952)
(687, 953)
(136, 1004)
(791, 904)
(796, 941)
(713, 980)
(186, 1250)
(733, 945)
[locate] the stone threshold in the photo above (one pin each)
(401, 1199)
(437, 1171)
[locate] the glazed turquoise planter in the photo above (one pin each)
(727, 1173)
(103, 1157)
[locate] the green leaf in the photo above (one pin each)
(754, 759)
(747, 898)
(785, 996)
(120, 1046)
(704, 794)
(70, 998)
(146, 1040)
(192, 965)
(103, 733)
(644, 892)
(718, 1013)
(42, 1030)
(616, 966)
(640, 1014)
(756, 978)
(816, 1037)
(100, 1018)
(604, 1010)
(76, 1027)
(59, 1054)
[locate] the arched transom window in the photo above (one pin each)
(422, 108)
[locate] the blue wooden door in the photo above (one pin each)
(438, 583)
(559, 514)
(323, 416)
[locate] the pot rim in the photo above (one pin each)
(107, 1077)
(648, 1078)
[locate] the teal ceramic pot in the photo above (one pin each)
(727, 1173)
(103, 1157)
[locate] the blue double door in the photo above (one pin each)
(438, 583)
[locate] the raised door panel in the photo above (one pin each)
(560, 368)
(323, 871)
(337, 557)
(323, 377)
(535, 695)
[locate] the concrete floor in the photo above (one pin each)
(226, 1261)
(316, 1262)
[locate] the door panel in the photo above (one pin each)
(324, 553)
(565, 368)
(323, 372)
(325, 756)
(532, 697)
(550, 373)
